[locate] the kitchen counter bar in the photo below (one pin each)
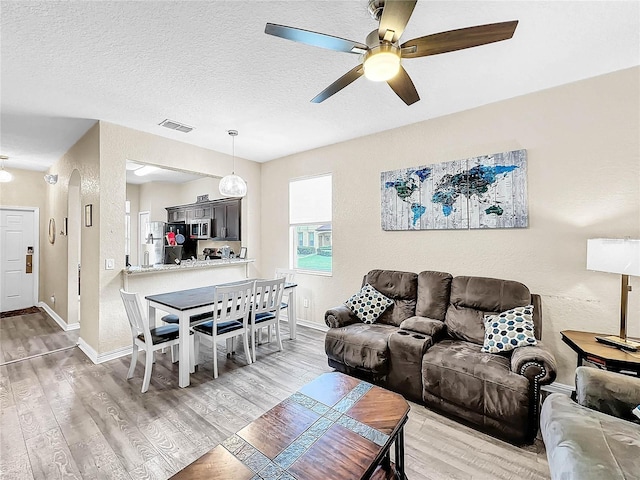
(170, 278)
(186, 265)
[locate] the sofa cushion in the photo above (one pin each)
(509, 330)
(368, 304)
(459, 374)
(426, 326)
(433, 294)
(360, 345)
(474, 297)
(585, 444)
(401, 287)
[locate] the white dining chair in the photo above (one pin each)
(290, 277)
(265, 309)
(230, 319)
(148, 339)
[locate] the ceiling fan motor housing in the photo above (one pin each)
(375, 9)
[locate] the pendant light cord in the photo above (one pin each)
(233, 134)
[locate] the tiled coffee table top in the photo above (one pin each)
(334, 427)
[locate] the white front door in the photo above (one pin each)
(18, 261)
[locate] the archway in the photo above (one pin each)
(74, 232)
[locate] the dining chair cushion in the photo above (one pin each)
(224, 327)
(162, 334)
(171, 318)
(264, 316)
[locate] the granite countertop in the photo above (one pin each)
(186, 265)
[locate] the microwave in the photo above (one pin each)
(200, 229)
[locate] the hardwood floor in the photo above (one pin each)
(23, 336)
(64, 417)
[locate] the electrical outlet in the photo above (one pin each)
(109, 263)
(305, 302)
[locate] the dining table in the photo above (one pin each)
(193, 301)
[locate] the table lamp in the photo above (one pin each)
(616, 256)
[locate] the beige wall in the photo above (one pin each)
(84, 157)
(118, 144)
(155, 197)
(133, 195)
(28, 189)
(583, 152)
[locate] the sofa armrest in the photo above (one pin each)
(536, 362)
(423, 325)
(340, 316)
(607, 392)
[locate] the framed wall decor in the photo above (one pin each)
(88, 215)
(488, 191)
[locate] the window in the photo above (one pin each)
(310, 218)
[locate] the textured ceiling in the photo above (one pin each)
(210, 65)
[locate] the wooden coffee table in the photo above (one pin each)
(336, 427)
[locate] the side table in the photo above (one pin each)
(604, 356)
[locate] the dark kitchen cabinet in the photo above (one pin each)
(202, 212)
(224, 215)
(226, 220)
(176, 214)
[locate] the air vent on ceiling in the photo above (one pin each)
(173, 125)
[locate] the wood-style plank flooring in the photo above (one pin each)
(23, 336)
(64, 417)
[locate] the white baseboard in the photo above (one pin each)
(58, 319)
(96, 357)
(313, 325)
(556, 387)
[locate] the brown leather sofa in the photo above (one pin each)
(427, 346)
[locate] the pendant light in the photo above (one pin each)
(4, 175)
(233, 185)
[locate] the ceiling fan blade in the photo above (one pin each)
(395, 16)
(404, 87)
(316, 39)
(458, 39)
(349, 77)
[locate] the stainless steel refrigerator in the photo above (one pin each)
(153, 243)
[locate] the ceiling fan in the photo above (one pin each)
(382, 52)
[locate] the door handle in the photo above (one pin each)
(29, 264)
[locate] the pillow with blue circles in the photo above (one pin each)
(368, 304)
(509, 330)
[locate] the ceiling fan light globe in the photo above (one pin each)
(382, 63)
(233, 186)
(5, 176)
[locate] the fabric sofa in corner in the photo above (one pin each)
(427, 346)
(598, 437)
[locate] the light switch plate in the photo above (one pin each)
(109, 263)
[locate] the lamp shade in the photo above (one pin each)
(614, 255)
(233, 186)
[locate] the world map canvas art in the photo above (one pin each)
(488, 191)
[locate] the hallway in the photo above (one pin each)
(24, 336)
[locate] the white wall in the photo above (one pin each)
(583, 151)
